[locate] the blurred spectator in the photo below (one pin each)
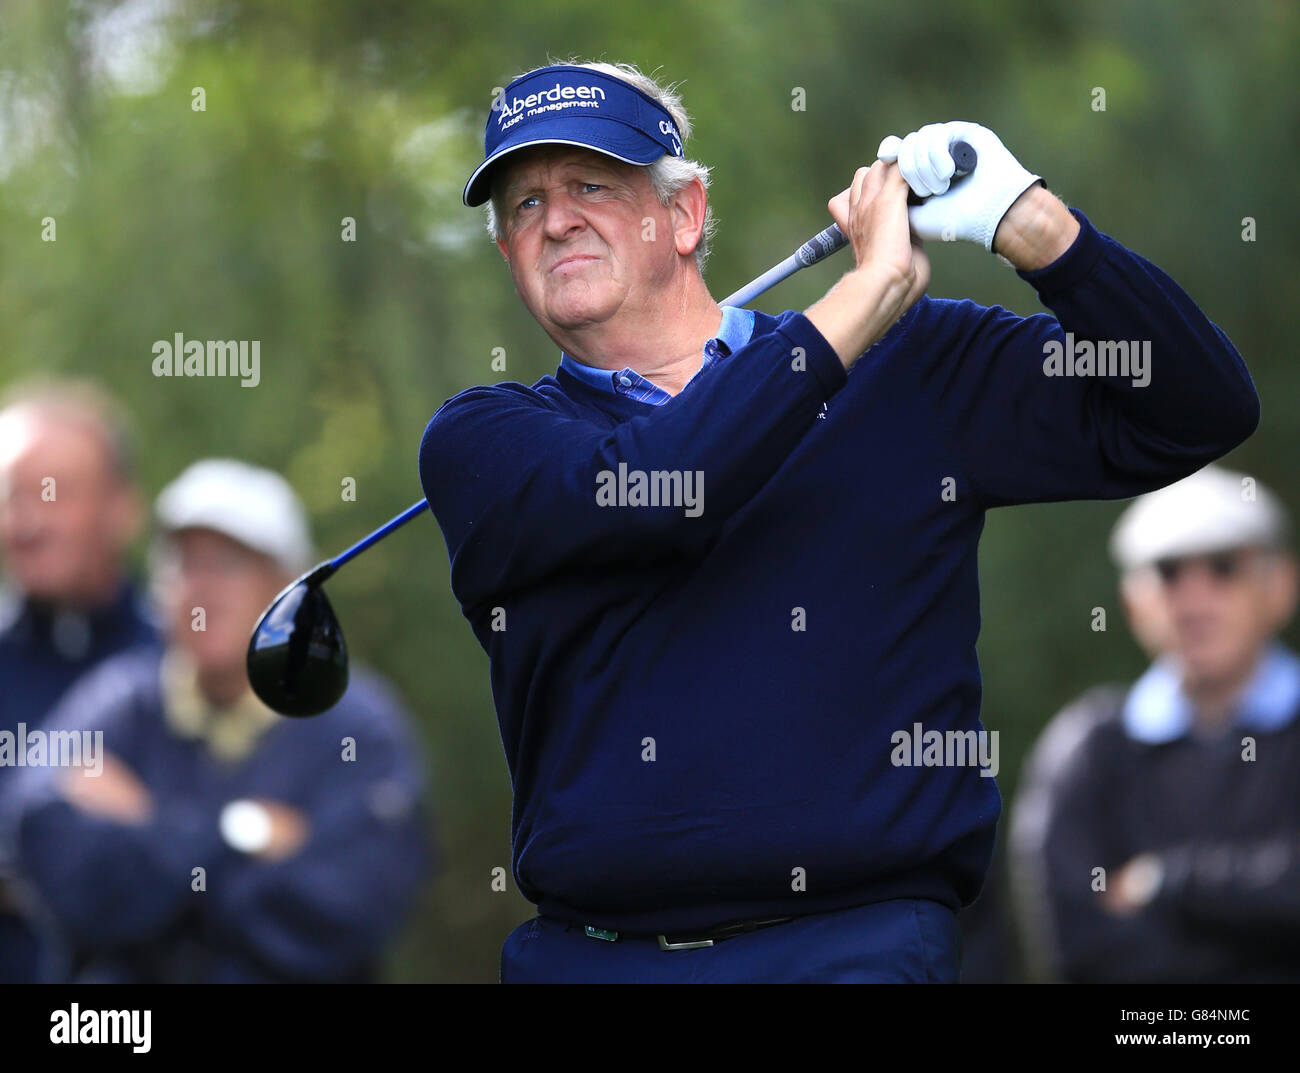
(69, 510)
(222, 842)
(1182, 787)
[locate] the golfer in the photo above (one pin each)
(724, 563)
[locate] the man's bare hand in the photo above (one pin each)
(288, 830)
(116, 793)
(892, 270)
(1133, 886)
(872, 213)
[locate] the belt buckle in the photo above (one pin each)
(664, 944)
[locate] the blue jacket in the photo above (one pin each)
(43, 653)
(1119, 772)
(122, 898)
(699, 712)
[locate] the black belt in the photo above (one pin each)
(691, 942)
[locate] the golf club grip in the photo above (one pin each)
(822, 244)
(963, 155)
(826, 242)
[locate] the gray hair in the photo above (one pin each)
(667, 175)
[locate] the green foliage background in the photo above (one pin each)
(225, 224)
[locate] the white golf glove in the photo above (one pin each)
(977, 203)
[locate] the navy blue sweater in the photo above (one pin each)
(119, 896)
(772, 745)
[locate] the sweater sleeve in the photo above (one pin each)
(513, 483)
(112, 885)
(1247, 887)
(109, 884)
(322, 912)
(1024, 433)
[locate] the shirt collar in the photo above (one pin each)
(735, 331)
(1157, 711)
(737, 327)
(230, 734)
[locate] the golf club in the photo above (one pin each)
(826, 242)
(297, 660)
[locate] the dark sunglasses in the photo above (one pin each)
(1224, 565)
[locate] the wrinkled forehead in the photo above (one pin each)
(536, 164)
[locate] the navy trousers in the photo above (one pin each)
(907, 940)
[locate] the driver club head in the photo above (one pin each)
(297, 661)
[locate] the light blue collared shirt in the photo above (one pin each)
(736, 329)
(1156, 710)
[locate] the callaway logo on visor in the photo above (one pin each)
(574, 106)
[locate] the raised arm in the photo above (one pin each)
(1129, 386)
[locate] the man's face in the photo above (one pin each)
(233, 584)
(585, 236)
(66, 518)
(1147, 608)
(1224, 607)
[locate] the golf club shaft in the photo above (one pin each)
(377, 535)
(827, 242)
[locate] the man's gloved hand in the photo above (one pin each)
(976, 205)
